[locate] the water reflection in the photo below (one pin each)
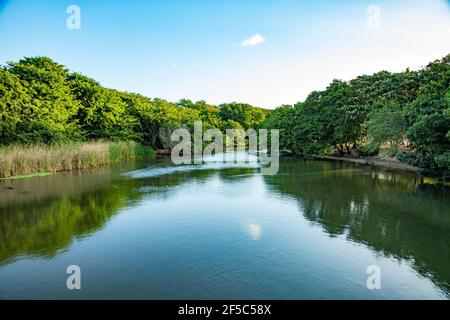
(391, 214)
(254, 230)
(42, 216)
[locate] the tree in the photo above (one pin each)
(208, 114)
(52, 116)
(283, 118)
(386, 124)
(244, 114)
(429, 122)
(15, 108)
(329, 119)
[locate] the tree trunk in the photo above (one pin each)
(348, 148)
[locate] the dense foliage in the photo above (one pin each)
(43, 102)
(407, 112)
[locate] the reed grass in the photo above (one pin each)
(19, 160)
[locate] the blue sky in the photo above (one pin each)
(195, 49)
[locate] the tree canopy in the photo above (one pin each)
(410, 108)
(44, 102)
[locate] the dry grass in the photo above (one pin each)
(19, 160)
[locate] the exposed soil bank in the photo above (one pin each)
(372, 161)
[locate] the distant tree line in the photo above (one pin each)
(406, 112)
(43, 102)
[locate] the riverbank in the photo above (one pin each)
(375, 161)
(33, 160)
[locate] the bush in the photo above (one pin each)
(369, 150)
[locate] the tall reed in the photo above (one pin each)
(16, 160)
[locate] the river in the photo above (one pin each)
(150, 230)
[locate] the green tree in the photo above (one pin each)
(386, 124)
(429, 122)
(329, 119)
(103, 112)
(245, 114)
(52, 116)
(284, 119)
(15, 108)
(207, 113)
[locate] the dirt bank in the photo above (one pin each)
(375, 161)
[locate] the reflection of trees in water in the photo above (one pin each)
(47, 226)
(60, 208)
(391, 213)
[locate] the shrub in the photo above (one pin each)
(368, 150)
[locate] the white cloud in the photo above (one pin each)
(253, 40)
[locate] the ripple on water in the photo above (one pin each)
(215, 162)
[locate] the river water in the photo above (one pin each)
(151, 230)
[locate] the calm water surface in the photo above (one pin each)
(148, 230)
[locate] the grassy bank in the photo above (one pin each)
(24, 160)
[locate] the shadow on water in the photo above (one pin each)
(391, 213)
